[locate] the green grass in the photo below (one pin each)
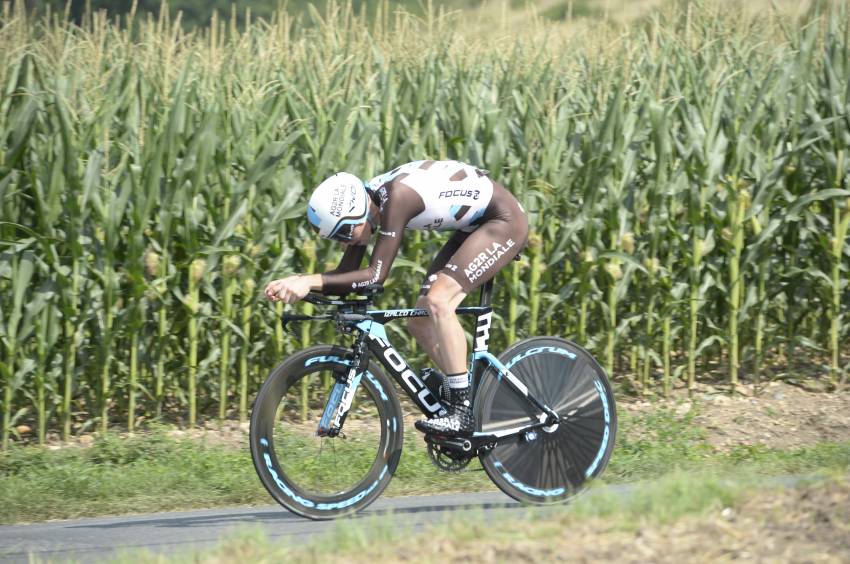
(115, 476)
(654, 443)
(155, 472)
(659, 442)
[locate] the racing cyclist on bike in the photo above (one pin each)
(490, 229)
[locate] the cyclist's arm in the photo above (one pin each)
(351, 259)
(404, 204)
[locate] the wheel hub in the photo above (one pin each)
(553, 423)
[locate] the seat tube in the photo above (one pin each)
(486, 294)
(482, 334)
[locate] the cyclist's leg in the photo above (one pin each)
(481, 255)
(422, 328)
(488, 249)
(449, 348)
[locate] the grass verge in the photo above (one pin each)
(155, 472)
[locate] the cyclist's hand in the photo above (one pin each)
(288, 290)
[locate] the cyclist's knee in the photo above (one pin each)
(444, 296)
(439, 304)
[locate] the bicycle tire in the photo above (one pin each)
(556, 463)
(291, 459)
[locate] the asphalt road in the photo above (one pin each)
(90, 540)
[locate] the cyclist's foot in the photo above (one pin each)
(459, 421)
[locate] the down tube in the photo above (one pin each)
(381, 349)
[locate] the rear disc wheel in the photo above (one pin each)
(552, 463)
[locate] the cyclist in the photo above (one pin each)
(490, 230)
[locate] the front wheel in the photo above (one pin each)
(553, 463)
(324, 477)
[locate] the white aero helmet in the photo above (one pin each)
(337, 206)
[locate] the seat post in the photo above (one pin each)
(486, 293)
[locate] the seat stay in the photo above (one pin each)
(502, 372)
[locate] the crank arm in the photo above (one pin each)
(485, 440)
(466, 445)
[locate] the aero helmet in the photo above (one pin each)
(337, 206)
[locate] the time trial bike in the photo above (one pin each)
(327, 426)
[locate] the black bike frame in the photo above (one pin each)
(373, 332)
(372, 340)
(381, 348)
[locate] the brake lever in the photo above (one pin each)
(288, 318)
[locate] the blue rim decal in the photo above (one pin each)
(280, 483)
(528, 489)
(538, 350)
(607, 414)
(306, 502)
(318, 359)
(377, 384)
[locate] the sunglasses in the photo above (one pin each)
(345, 233)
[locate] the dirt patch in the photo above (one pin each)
(807, 525)
(775, 415)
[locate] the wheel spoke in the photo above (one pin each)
(326, 466)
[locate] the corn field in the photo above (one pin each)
(686, 179)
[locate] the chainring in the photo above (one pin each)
(446, 459)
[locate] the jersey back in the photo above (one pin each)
(455, 194)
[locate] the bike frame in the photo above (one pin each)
(372, 335)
